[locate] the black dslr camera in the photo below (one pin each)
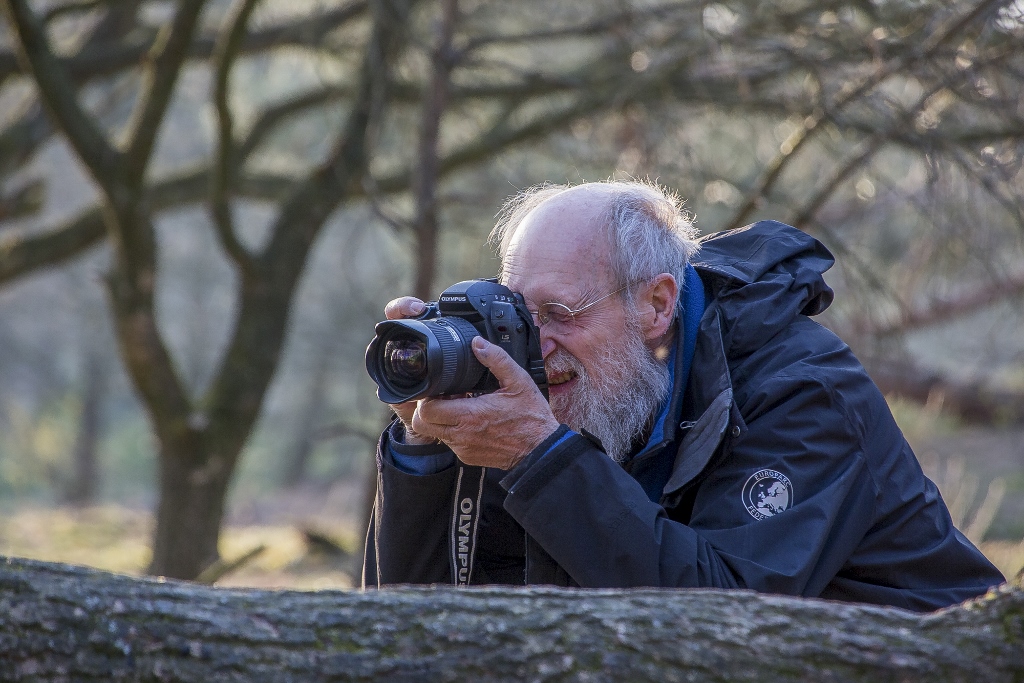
(431, 355)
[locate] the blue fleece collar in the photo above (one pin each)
(693, 311)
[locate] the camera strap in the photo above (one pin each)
(469, 491)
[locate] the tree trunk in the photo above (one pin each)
(200, 438)
(70, 623)
(189, 513)
(84, 484)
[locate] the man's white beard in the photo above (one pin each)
(617, 400)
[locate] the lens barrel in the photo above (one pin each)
(410, 359)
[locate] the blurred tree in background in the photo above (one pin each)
(263, 176)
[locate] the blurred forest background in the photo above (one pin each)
(205, 205)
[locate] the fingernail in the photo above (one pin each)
(480, 344)
(418, 307)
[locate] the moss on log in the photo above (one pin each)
(66, 623)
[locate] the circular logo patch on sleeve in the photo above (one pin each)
(767, 493)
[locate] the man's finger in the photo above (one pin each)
(436, 419)
(436, 411)
(495, 359)
(404, 410)
(404, 307)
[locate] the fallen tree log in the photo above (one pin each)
(973, 401)
(66, 623)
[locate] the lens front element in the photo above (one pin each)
(405, 362)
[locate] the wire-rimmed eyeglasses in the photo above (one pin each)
(561, 314)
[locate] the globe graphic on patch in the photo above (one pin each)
(772, 497)
(767, 493)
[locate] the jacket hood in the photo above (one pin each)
(761, 277)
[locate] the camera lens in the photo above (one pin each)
(405, 362)
(409, 359)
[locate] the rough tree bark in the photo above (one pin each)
(59, 622)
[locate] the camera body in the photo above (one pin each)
(432, 355)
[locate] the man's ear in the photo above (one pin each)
(658, 305)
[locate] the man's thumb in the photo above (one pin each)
(495, 359)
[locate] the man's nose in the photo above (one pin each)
(547, 344)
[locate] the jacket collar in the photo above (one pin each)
(709, 411)
(704, 408)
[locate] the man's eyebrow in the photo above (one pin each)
(585, 296)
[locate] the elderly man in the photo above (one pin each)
(702, 430)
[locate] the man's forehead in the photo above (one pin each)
(560, 250)
(569, 225)
(543, 282)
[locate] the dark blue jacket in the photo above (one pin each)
(780, 469)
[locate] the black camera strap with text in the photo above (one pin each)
(465, 519)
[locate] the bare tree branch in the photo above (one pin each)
(166, 57)
(225, 164)
(76, 7)
(868, 150)
(20, 255)
(937, 311)
(237, 392)
(970, 399)
(104, 60)
(343, 429)
(274, 115)
(616, 21)
(59, 94)
(1011, 205)
(848, 94)
(805, 215)
(22, 201)
(20, 139)
(435, 99)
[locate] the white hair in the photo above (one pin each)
(647, 227)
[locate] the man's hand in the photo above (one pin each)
(494, 430)
(407, 307)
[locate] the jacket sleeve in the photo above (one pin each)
(407, 541)
(596, 521)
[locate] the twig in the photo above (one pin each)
(806, 214)
(221, 568)
(225, 161)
